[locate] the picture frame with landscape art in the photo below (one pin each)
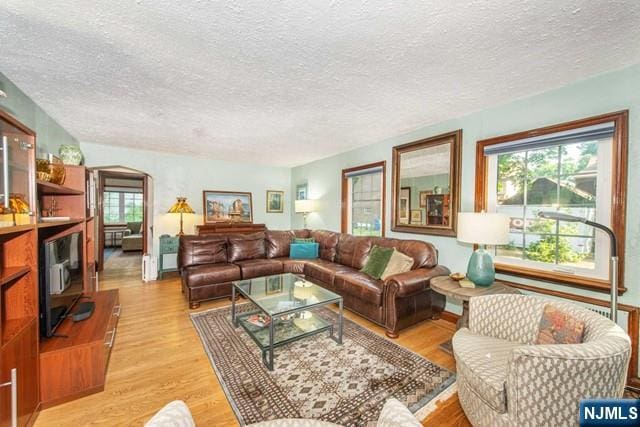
(301, 191)
(275, 201)
(416, 216)
(227, 206)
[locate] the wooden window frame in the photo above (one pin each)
(345, 194)
(619, 146)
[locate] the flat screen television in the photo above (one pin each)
(61, 279)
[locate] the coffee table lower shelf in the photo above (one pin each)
(284, 332)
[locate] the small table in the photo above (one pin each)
(285, 302)
(168, 245)
(451, 288)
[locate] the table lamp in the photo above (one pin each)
(304, 207)
(182, 207)
(482, 229)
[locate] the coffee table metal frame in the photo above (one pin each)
(269, 349)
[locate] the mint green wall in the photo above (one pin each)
(49, 134)
(605, 93)
(424, 183)
(183, 175)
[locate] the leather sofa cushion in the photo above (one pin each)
(203, 275)
(424, 254)
(353, 250)
(277, 243)
(324, 271)
(199, 250)
(251, 268)
(483, 361)
(303, 233)
(328, 241)
(359, 285)
(295, 266)
(245, 246)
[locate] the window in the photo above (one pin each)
(574, 168)
(121, 207)
(363, 196)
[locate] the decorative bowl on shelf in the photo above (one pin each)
(50, 169)
(457, 276)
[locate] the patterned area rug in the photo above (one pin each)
(315, 377)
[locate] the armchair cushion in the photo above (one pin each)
(483, 362)
(559, 327)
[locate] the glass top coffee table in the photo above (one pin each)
(284, 311)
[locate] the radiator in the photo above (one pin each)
(149, 268)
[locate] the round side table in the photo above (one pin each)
(450, 288)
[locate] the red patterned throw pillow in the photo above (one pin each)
(558, 327)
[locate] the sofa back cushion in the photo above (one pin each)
(303, 233)
(353, 250)
(277, 243)
(205, 249)
(246, 246)
(424, 254)
(328, 241)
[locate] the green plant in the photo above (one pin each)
(544, 250)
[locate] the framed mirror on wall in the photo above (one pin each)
(426, 185)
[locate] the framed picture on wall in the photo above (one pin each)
(275, 201)
(302, 191)
(227, 206)
(404, 207)
(416, 216)
(423, 198)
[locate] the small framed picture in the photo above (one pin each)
(273, 285)
(405, 205)
(275, 201)
(416, 216)
(423, 198)
(301, 191)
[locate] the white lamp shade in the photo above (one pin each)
(483, 228)
(304, 206)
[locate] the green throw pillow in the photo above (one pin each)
(303, 240)
(377, 261)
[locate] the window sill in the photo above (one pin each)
(597, 285)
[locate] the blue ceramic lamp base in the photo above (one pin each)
(480, 269)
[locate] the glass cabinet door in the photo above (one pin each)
(17, 176)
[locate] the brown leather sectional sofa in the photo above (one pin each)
(209, 263)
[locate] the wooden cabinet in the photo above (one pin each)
(229, 227)
(438, 209)
(76, 365)
(22, 355)
(18, 275)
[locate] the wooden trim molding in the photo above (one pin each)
(344, 205)
(618, 199)
(455, 139)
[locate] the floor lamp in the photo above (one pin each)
(613, 273)
(182, 207)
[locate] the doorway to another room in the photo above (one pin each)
(123, 221)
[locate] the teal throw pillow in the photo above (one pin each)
(377, 261)
(303, 240)
(304, 251)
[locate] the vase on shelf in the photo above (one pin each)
(70, 154)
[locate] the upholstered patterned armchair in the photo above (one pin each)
(504, 379)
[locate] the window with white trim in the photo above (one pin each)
(121, 207)
(364, 210)
(568, 171)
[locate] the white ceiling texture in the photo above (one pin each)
(287, 82)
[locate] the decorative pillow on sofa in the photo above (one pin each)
(303, 240)
(558, 327)
(377, 261)
(304, 250)
(399, 263)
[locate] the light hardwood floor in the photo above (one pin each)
(158, 357)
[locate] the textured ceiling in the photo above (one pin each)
(286, 82)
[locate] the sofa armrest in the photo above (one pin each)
(414, 281)
(126, 232)
(544, 376)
